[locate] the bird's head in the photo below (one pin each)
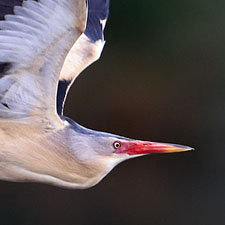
(129, 148)
(105, 151)
(107, 144)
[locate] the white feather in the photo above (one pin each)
(26, 12)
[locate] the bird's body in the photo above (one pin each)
(53, 156)
(50, 159)
(43, 48)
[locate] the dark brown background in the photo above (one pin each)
(161, 77)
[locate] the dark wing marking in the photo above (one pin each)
(98, 10)
(4, 67)
(6, 7)
(86, 50)
(62, 89)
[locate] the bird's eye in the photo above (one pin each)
(116, 144)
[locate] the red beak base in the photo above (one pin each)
(145, 147)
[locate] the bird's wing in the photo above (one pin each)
(34, 43)
(86, 50)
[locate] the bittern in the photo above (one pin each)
(44, 45)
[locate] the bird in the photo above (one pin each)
(44, 46)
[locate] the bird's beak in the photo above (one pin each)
(145, 147)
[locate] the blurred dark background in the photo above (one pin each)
(161, 78)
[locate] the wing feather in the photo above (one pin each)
(35, 42)
(86, 50)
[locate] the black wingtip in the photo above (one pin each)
(98, 10)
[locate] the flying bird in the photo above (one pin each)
(44, 46)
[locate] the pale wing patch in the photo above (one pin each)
(83, 53)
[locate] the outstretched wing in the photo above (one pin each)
(34, 43)
(86, 50)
